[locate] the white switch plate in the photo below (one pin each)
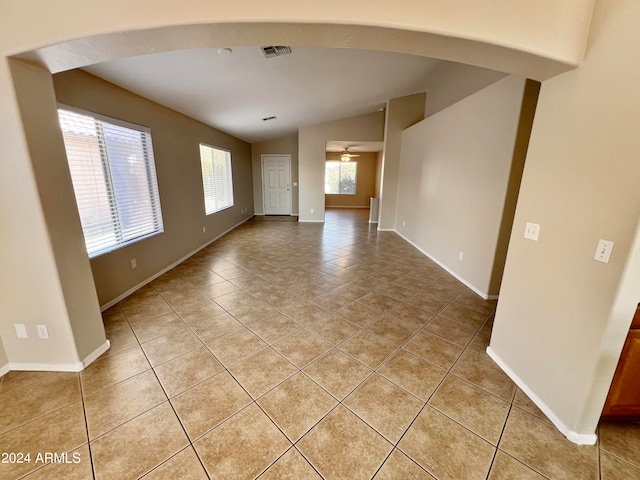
(461, 256)
(21, 330)
(531, 231)
(134, 264)
(43, 333)
(603, 252)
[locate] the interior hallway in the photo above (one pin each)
(293, 350)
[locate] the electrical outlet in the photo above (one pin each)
(461, 256)
(21, 330)
(531, 231)
(134, 264)
(313, 210)
(404, 223)
(204, 229)
(603, 252)
(43, 333)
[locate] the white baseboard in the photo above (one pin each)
(47, 367)
(4, 370)
(373, 221)
(575, 437)
(310, 221)
(390, 230)
(89, 359)
(469, 285)
(166, 269)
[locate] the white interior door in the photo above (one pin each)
(276, 184)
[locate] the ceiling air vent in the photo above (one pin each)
(275, 51)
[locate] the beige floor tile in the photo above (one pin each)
(412, 373)
(183, 296)
(184, 372)
(183, 465)
(113, 319)
(622, 439)
(479, 411)
(360, 314)
(296, 405)
(209, 403)
(368, 348)
(523, 402)
(60, 431)
(242, 447)
(233, 300)
(428, 301)
(445, 449)
(463, 315)
(74, 465)
(262, 372)
(111, 369)
(394, 291)
(17, 379)
(120, 339)
(334, 328)
(352, 291)
(411, 314)
(399, 466)
(434, 349)
(210, 329)
(337, 373)
(170, 346)
(138, 313)
(476, 366)
(507, 468)
(393, 329)
(274, 328)
(385, 406)
(199, 311)
(282, 298)
(472, 301)
(115, 405)
(139, 445)
(541, 446)
(342, 446)
(302, 347)
(612, 468)
(331, 301)
(378, 301)
(235, 347)
(219, 289)
(155, 327)
(24, 404)
(253, 312)
(291, 466)
(305, 313)
(450, 330)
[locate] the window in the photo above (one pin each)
(114, 179)
(216, 178)
(340, 178)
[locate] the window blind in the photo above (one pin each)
(114, 179)
(217, 180)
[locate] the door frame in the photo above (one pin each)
(264, 190)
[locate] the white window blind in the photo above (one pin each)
(340, 177)
(217, 180)
(114, 179)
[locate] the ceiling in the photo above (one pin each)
(234, 91)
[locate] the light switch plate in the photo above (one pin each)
(531, 231)
(603, 252)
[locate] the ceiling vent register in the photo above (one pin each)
(275, 51)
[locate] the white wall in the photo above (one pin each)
(312, 156)
(562, 316)
(454, 173)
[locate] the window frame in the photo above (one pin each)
(146, 146)
(229, 161)
(341, 163)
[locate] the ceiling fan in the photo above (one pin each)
(346, 156)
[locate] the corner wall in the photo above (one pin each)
(286, 146)
(562, 316)
(455, 171)
(312, 142)
(176, 140)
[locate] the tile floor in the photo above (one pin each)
(297, 351)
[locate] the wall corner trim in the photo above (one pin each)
(575, 437)
(89, 359)
(4, 370)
